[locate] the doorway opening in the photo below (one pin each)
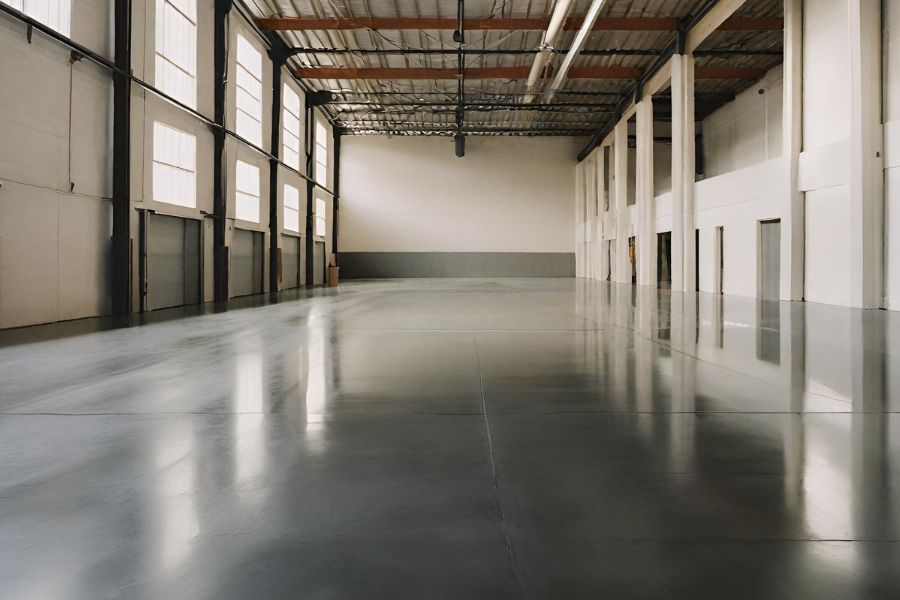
(171, 271)
(610, 258)
(664, 259)
(632, 258)
(696, 260)
(770, 259)
(247, 259)
(720, 259)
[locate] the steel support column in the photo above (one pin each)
(278, 59)
(121, 238)
(336, 188)
(220, 205)
(308, 145)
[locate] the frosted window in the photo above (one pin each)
(176, 49)
(321, 174)
(246, 197)
(56, 14)
(290, 131)
(291, 208)
(174, 166)
(321, 223)
(248, 118)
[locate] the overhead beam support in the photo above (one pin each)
(510, 73)
(714, 19)
(712, 15)
(512, 24)
(519, 51)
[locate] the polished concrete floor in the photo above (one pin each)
(457, 439)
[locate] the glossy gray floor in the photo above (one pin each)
(458, 439)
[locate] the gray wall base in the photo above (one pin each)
(376, 265)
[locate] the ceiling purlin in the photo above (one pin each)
(366, 106)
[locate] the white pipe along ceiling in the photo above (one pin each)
(560, 12)
(580, 40)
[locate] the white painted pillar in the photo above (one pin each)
(689, 174)
(622, 272)
(579, 219)
(793, 230)
(683, 167)
(646, 235)
(600, 186)
(866, 155)
(678, 230)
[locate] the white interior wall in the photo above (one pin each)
(412, 194)
(746, 131)
(737, 201)
(55, 184)
(824, 162)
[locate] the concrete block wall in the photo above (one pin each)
(56, 160)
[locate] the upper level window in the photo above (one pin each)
(176, 49)
(248, 120)
(53, 13)
(291, 208)
(321, 153)
(246, 196)
(290, 131)
(321, 223)
(56, 14)
(174, 166)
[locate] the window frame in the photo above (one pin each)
(239, 193)
(321, 217)
(61, 24)
(324, 146)
(166, 164)
(289, 209)
(288, 117)
(160, 54)
(242, 45)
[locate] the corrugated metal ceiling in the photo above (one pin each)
(408, 106)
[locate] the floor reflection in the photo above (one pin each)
(643, 444)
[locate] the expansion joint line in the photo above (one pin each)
(498, 501)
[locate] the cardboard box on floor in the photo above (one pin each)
(333, 276)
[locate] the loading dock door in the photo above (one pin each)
(173, 261)
(246, 262)
(293, 267)
(319, 263)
